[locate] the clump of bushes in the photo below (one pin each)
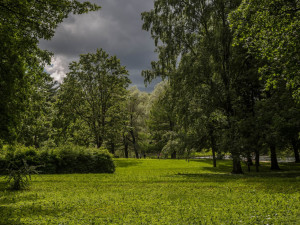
(61, 160)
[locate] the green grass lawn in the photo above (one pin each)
(158, 192)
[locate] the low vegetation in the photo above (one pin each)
(152, 191)
(18, 176)
(64, 159)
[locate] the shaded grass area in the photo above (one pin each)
(158, 192)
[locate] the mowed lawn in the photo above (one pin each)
(151, 191)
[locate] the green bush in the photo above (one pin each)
(18, 176)
(64, 159)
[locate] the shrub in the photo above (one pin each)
(64, 159)
(18, 176)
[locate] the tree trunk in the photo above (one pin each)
(296, 151)
(237, 168)
(112, 148)
(126, 149)
(173, 155)
(135, 150)
(213, 148)
(99, 141)
(249, 160)
(134, 144)
(214, 157)
(136, 153)
(274, 162)
(257, 160)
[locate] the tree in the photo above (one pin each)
(136, 113)
(270, 30)
(289, 129)
(22, 25)
(36, 127)
(200, 100)
(94, 91)
(278, 116)
(162, 119)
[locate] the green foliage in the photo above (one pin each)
(162, 121)
(205, 72)
(36, 125)
(158, 192)
(134, 128)
(269, 30)
(18, 176)
(64, 159)
(74, 159)
(218, 97)
(94, 91)
(22, 25)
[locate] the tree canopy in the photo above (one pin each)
(94, 90)
(22, 25)
(270, 30)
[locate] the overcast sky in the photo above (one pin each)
(116, 28)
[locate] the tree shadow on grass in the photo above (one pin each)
(13, 196)
(284, 181)
(207, 161)
(287, 170)
(23, 204)
(11, 214)
(220, 177)
(127, 163)
(209, 177)
(225, 166)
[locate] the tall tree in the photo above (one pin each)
(162, 119)
(136, 109)
(94, 90)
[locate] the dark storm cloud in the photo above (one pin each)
(117, 28)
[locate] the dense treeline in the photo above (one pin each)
(231, 85)
(233, 74)
(232, 67)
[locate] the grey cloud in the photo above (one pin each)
(138, 81)
(117, 28)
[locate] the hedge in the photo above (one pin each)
(61, 160)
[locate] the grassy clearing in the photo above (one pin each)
(158, 192)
